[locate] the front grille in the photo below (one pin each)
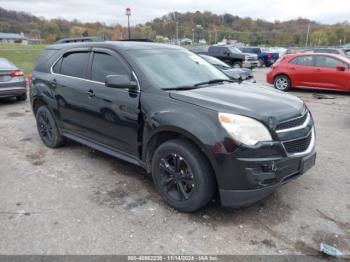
(292, 123)
(298, 145)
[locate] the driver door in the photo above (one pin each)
(115, 111)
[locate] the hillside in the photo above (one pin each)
(195, 25)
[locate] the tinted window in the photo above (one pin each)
(328, 62)
(57, 67)
(104, 65)
(303, 61)
(74, 64)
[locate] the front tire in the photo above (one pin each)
(182, 175)
(47, 128)
(282, 83)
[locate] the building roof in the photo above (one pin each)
(12, 36)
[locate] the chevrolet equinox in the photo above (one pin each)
(169, 111)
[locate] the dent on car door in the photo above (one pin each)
(70, 89)
(114, 121)
(328, 74)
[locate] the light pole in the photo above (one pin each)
(307, 35)
(128, 14)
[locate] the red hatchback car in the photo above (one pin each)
(313, 71)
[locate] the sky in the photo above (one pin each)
(113, 11)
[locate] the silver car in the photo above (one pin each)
(12, 81)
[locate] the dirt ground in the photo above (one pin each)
(75, 200)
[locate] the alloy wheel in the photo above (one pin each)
(281, 83)
(177, 179)
(45, 128)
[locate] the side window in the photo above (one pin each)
(303, 61)
(104, 65)
(328, 62)
(74, 64)
(57, 67)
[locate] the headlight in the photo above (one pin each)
(244, 129)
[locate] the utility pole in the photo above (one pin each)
(128, 14)
(307, 35)
(192, 36)
(319, 39)
(216, 37)
(177, 33)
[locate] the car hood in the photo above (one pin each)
(251, 55)
(238, 73)
(257, 101)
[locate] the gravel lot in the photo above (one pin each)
(75, 200)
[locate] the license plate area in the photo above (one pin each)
(5, 78)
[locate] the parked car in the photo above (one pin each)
(309, 70)
(230, 55)
(177, 116)
(265, 58)
(336, 51)
(12, 81)
(347, 52)
(235, 74)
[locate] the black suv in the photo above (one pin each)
(169, 111)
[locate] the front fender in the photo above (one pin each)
(197, 124)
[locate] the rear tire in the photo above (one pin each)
(182, 175)
(22, 97)
(47, 128)
(282, 83)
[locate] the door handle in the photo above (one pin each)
(91, 93)
(318, 70)
(54, 83)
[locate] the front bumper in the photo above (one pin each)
(250, 64)
(264, 176)
(12, 91)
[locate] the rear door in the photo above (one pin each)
(69, 84)
(328, 76)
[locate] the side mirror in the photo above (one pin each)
(120, 81)
(340, 67)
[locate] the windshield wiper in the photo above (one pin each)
(213, 81)
(180, 88)
(189, 87)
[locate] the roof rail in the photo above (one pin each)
(137, 40)
(79, 39)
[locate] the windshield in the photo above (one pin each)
(215, 61)
(235, 50)
(167, 69)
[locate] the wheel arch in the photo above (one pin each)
(168, 133)
(38, 102)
